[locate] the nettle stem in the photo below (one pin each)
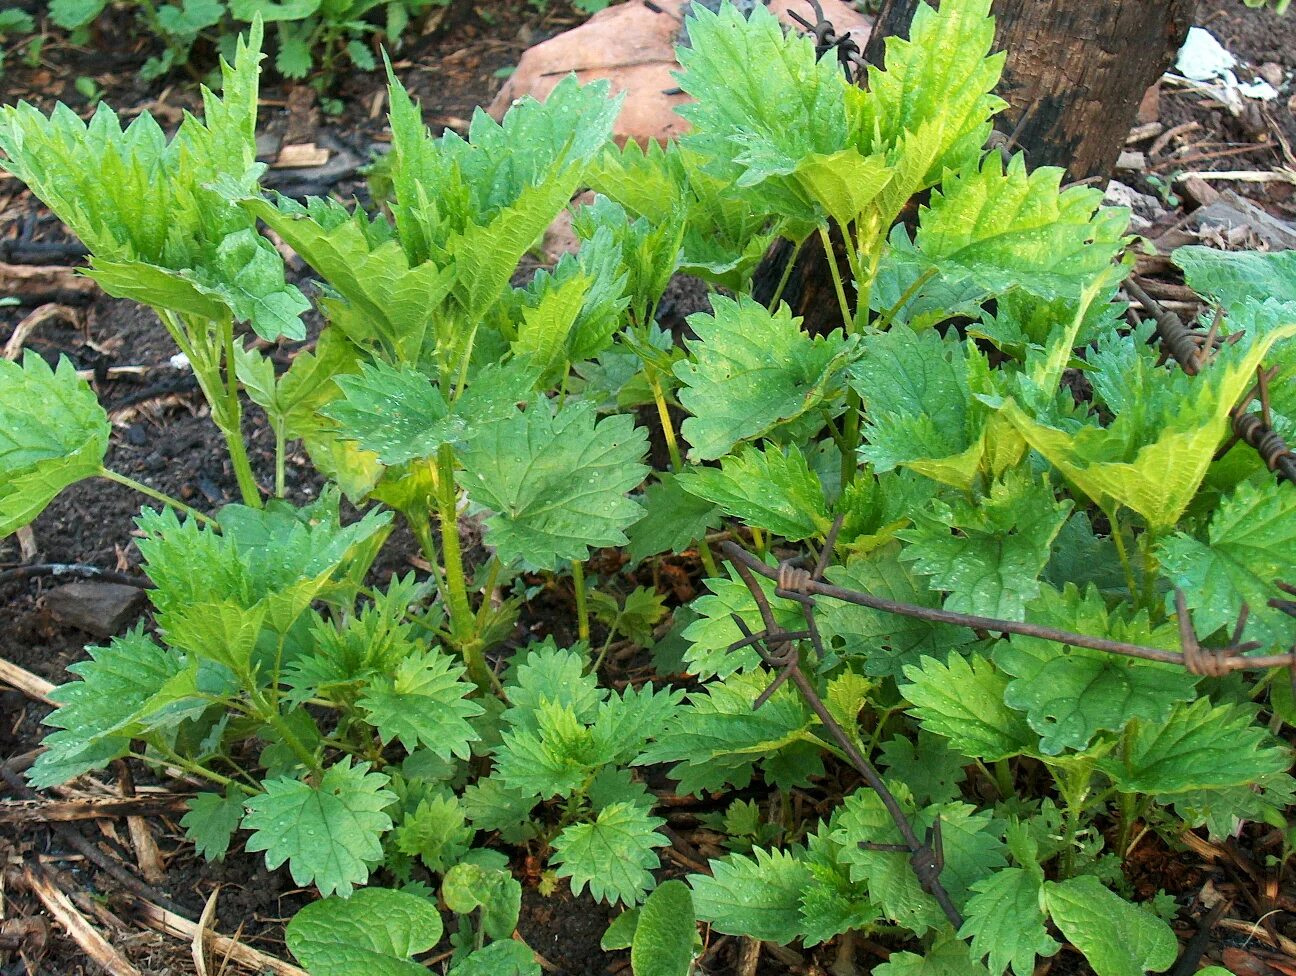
(205, 354)
(663, 414)
(233, 427)
(269, 713)
(582, 606)
(463, 623)
(156, 495)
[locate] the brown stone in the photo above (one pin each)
(98, 608)
(633, 47)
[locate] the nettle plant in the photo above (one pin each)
(312, 36)
(982, 434)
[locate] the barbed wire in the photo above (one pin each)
(1193, 350)
(779, 649)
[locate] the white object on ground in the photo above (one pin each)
(1203, 57)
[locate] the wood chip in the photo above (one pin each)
(34, 284)
(1199, 190)
(301, 155)
(63, 811)
(49, 312)
(89, 938)
(199, 945)
(168, 923)
(26, 682)
(1141, 133)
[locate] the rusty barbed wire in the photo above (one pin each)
(778, 649)
(1231, 658)
(1193, 349)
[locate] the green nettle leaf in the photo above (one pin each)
(544, 334)
(329, 834)
(399, 415)
(214, 590)
(543, 673)
(992, 566)
(1232, 278)
(375, 931)
(1252, 542)
(929, 767)
(468, 887)
(557, 482)
(1010, 228)
(833, 903)
(757, 896)
(718, 737)
(939, 81)
(1118, 938)
(553, 758)
(973, 851)
(665, 932)
(613, 855)
(880, 643)
(766, 488)
(211, 822)
(157, 230)
(435, 832)
(1264, 800)
(711, 634)
(1153, 457)
(387, 303)
(424, 703)
(71, 14)
(735, 118)
(627, 721)
(1201, 746)
(963, 700)
(947, 957)
(751, 371)
(95, 713)
(43, 451)
(1070, 694)
(920, 412)
(1005, 922)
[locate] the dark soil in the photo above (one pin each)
(163, 436)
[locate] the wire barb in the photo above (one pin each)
(778, 649)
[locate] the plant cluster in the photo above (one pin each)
(320, 37)
(984, 433)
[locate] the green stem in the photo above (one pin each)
(1118, 537)
(758, 538)
(156, 495)
(248, 487)
(582, 609)
(886, 317)
(280, 445)
(269, 714)
(173, 758)
(787, 273)
(850, 436)
(1151, 570)
(492, 577)
(663, 414)
(847, 318)
(1073, 784)
(1003, 778)
(708, 560)
(462, 621)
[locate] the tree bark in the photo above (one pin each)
(1075, 73)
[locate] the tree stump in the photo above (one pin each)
(1074, 77)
